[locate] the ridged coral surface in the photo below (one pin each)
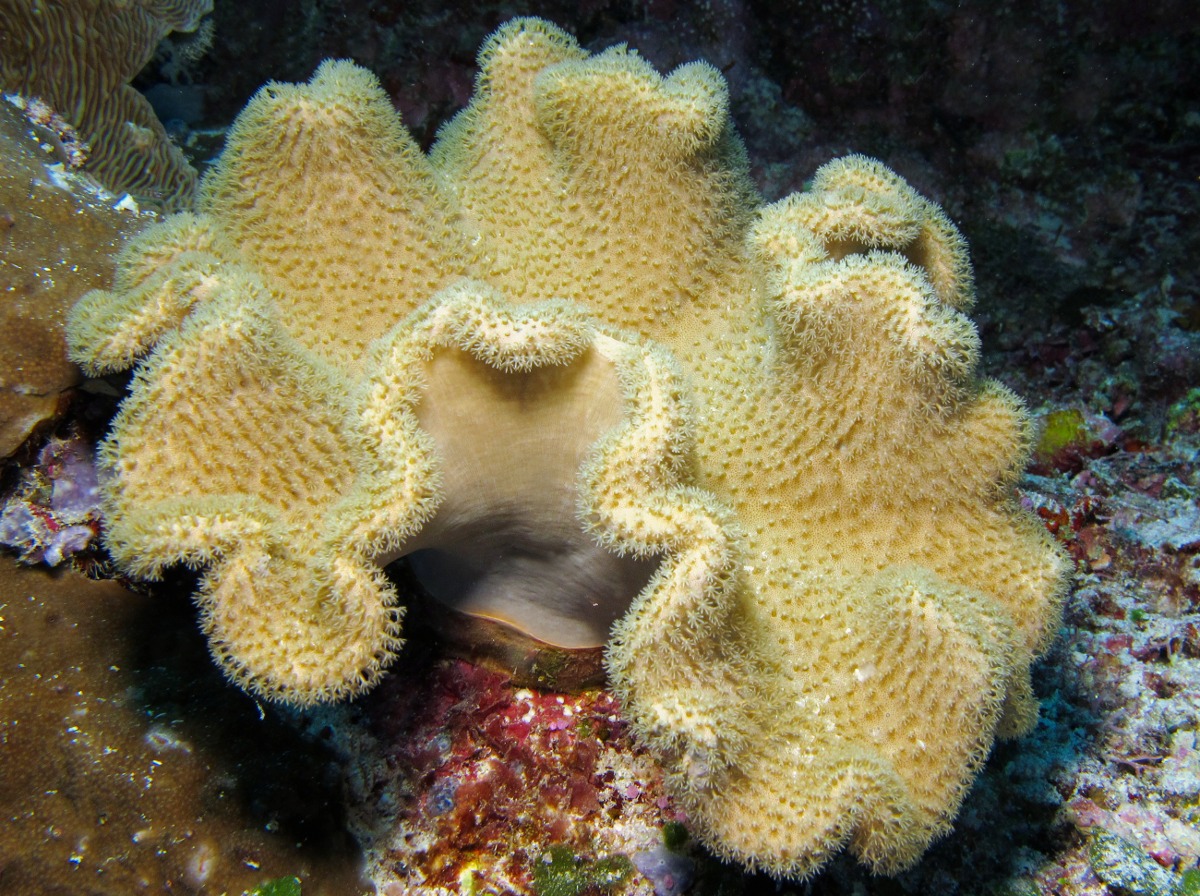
(79, 56)
(571, 352)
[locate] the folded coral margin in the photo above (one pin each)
(573, 367)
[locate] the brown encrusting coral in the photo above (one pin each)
(109, 784)
(573, 369)
(57, 240)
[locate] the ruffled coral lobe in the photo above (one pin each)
(573, 368)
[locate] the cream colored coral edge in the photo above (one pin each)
(575, 336)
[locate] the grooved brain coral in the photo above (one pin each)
(574, 369)
(79, 56)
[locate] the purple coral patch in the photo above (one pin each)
(54, 510)
(669, 872)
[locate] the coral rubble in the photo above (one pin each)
(462, 783)
(575, 371)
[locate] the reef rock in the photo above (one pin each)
(58, 235)
(574, 370)
(127, 771)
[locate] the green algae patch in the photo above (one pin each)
(1189, 883)
(1061, 430)
(560, 872)
(1183, 417)
(675, 836)
(1068, 438)
(280, 886)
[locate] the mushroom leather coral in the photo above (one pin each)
(573, 367)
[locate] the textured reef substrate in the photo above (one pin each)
(1082, 219)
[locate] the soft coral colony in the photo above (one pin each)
(575, 370)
